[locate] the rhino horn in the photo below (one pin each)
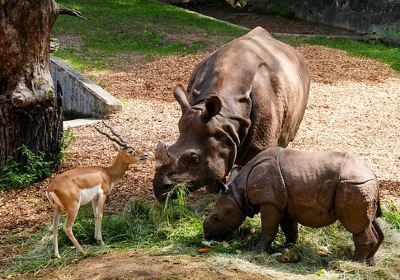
(161, 155)
(180, 96)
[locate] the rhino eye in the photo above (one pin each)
(215, 218)
(194, 160)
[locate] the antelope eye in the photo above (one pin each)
(194, 160)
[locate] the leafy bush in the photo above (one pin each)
(16, 175)
(392, 32)
(281, 10)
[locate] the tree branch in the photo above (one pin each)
(70, 12)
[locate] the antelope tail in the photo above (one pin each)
(53, 200)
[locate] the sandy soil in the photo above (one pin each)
(137, 265)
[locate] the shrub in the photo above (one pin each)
(281, 10)
(36, 167)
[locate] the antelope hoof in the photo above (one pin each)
(100, 242)
(57, 256)
(81, 251)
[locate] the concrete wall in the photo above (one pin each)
(363, 16)
(81, 97)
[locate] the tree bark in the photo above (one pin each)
(30, 105)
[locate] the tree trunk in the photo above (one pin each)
(30, 105)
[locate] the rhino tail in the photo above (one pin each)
(379, 210)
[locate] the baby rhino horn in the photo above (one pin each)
(161, 155)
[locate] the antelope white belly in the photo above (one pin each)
(88, 195)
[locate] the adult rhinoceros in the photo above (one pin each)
(248, 95)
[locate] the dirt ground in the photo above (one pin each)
(273, 23)
(137, 264)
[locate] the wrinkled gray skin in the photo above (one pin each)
(312, 188)
(248, 95)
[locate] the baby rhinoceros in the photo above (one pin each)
(311, 188)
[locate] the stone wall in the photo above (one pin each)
(81, 97)
(363, 16)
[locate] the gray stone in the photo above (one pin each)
(81, 97)
(79, 122)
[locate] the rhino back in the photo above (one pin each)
(356, 171)
(230, 70)
(261, 80)
(311, 179)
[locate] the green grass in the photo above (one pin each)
(391, 213)
(151, 29)
(388, 55)
(176, 228)
(124, 26)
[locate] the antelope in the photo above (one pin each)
(81, 185)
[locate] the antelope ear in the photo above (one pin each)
(213, 107)
(221, 186)
(181, 98)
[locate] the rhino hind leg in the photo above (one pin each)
(290, 229)
(379, 234)
(366, 243)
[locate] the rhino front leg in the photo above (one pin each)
(270, 219)
(290, 229)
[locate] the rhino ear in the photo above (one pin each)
(180, 96)
(234, 172)
(213, 107)
(221, 186)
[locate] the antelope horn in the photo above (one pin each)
(161, 155)
(114, 133)
(112, 138)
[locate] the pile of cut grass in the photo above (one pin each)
(176, 228)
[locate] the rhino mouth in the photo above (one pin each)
(218, 237)
(191, 187)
